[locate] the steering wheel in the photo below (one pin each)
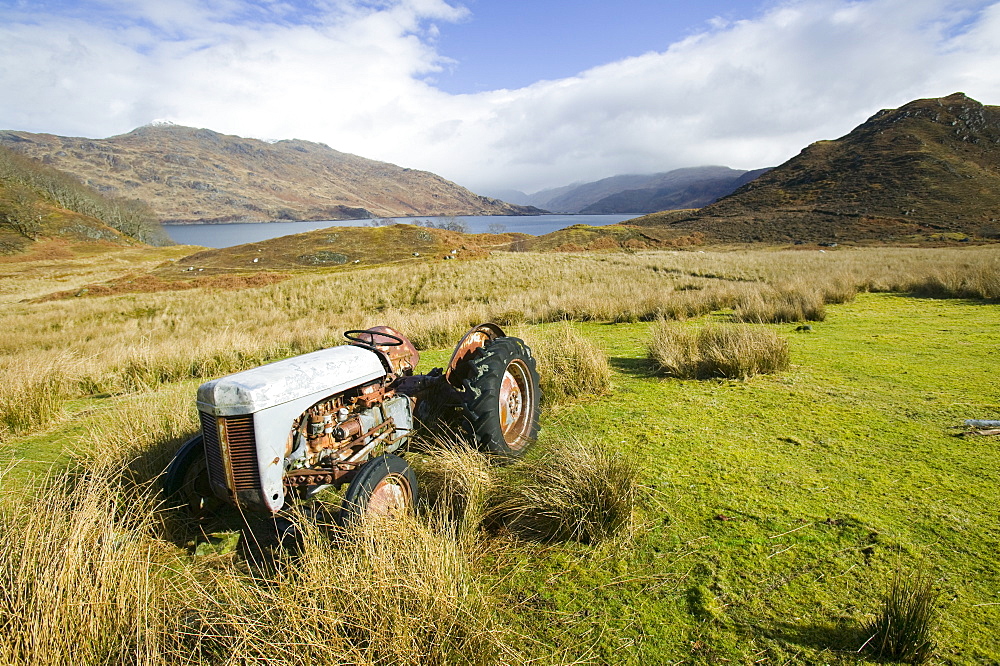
(354, 335)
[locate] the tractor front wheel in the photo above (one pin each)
(186, 479)
(384, 486)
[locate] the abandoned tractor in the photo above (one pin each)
(341, 416)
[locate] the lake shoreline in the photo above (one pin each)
(229, 233)
(186, 223)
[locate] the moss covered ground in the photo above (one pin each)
(778, 508)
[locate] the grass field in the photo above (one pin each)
(774, 511)
(783, 504)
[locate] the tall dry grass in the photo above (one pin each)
(134, 342)
(775, 305)
(394, 592)
(92, 574)
(31, 396)
(573, 491)
(733, 351)
(88, 580)
(83, 578)
(569, 365)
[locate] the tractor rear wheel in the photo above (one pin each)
(384, 486)
(501, 397)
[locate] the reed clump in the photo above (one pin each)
(456, 482)
(732, 351)
(903, 628)
(779, 305)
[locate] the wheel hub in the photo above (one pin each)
(391, 497)
(514, 396)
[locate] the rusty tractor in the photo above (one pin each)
(279, 434)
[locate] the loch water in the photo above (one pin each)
(226, 235)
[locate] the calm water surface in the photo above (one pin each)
(226, 235)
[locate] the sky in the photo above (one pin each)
(496, 94)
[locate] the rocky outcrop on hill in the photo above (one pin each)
(930, 167)
(197, 175)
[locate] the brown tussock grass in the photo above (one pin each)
(780, 304)
(569, 365)
(573, 491)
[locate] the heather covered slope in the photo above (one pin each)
(192, 175)
(929, 167)
(38, 201)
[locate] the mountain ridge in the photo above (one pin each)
(694, 192)
(198, 175)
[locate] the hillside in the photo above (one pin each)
(928, 168)
(197, 175)
(681, 188)
(38, 201)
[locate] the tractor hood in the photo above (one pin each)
(314, 375)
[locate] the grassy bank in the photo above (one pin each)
(773, 515)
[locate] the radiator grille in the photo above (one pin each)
(213, 453)
(243, 452)
(242, 448)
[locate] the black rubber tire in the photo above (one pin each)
(503, 417)
(186, 479)
(373, 480)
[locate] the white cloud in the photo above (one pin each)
(351, 74)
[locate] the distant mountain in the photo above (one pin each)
(931, 166)
(511, 196)
(197, 175)
(681, 188)
(688, 190)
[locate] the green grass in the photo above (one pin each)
(775, 510)
(847, 456)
